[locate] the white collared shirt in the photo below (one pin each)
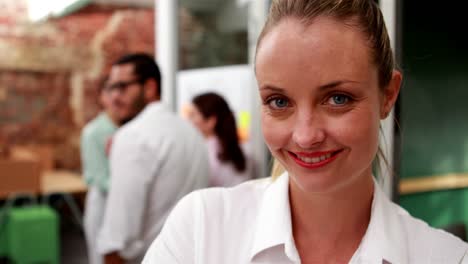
(251, 223)
(156, 159)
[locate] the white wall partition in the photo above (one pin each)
(388, 8)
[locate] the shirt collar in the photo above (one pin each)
(152, 108)
(383, 242)
(156, 105)
(273, 226)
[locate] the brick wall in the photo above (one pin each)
(49, 71)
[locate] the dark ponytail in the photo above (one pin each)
(213, 105)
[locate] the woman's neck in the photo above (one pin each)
(333, 224)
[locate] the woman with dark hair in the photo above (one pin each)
(213, 117)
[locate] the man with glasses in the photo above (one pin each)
(120, 97)
(156, 158)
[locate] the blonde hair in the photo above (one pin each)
(364, 15)
(277, 169)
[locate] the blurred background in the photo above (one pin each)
(54, 54)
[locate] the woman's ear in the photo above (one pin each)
(211, 122)
(391, 94)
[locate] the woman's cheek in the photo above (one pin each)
(275, 131)
(362, 136)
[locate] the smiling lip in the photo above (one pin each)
(314, 160)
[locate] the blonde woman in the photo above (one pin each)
(326, 77)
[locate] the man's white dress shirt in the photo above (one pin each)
(251, 223)
(156, 159)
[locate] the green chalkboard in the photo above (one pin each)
(434, 107)
(434, 101)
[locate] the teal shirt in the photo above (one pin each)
(94, 160)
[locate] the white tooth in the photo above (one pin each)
(315, 159)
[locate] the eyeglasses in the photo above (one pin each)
(120, 86)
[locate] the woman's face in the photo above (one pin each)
(321, 102)
(205, 125)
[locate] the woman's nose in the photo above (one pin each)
(308, 132)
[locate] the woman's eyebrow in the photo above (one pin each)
(334, 84)
(324, 87)
(272, 88)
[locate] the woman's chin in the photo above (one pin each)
(329, 181)
(315, 182)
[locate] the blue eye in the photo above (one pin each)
(339, 99)
(278, 103)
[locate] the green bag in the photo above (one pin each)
(30, 234)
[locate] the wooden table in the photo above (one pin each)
(64, 183)
(48, 184)
(59, 181)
